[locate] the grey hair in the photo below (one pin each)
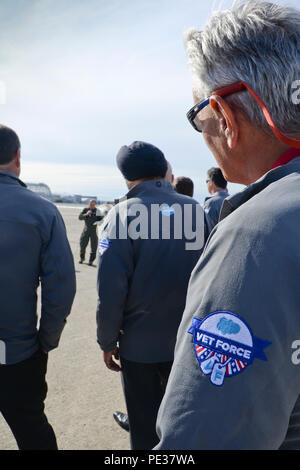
(257, 42)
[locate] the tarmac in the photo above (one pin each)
(82, 392)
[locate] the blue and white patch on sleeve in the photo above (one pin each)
(104, 244)
(225, 346)
(167, 211)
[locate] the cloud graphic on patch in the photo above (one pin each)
(228, 327)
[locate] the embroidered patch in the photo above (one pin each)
(167, 211)
(224, 345)
(104, 244)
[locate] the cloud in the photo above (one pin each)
(84, 78)
(228, 327)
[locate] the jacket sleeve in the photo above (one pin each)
(82, 215)
(246, 271)
(58, 284)
(115, 268)
(211, 215)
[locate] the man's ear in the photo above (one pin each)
(227, 119)
(18, 159)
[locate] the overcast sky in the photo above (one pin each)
(84, 78)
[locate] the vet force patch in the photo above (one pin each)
(104, 244)
(224, 345)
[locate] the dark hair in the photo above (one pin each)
(9, 144)
(184, 185)
(216, 176)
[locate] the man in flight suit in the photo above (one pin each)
(143, 275)
(235, 382)
(90, 217)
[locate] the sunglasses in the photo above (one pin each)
(193, 114)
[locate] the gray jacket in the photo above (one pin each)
(244, 297)
(142, 283)
(33, 249)
(212, 208)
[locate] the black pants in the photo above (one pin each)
(23, 389)
(86, 236)
(144, 387)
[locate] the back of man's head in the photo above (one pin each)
(184, 185)
(216, 176)
(9, 145)
(141, 161)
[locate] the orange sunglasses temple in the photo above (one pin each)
(240, 86)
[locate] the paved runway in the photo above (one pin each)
(82, 393)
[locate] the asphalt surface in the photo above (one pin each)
(82, 393)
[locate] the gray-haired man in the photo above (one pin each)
(235, 383)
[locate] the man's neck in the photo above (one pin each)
(261, 156)
(132, 184)
(218, 190)
(253, 156)
(9, 169)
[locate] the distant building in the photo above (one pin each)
(74, 199)
(79, 199)
(41, 189)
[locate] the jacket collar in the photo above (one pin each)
(149, 186)
(10, 178)
(220, 193)
(233, 202)
(287, 157)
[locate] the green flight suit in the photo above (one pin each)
(89, 233)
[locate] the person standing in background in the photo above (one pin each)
(33, 249)
(90, 217)
(184, 185)
(217, 188)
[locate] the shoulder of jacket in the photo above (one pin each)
(209, 202)
(182, 199)
(39, 202)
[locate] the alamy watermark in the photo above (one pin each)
(296, 92)
(2, 352)
(157, 222)
(296, 353)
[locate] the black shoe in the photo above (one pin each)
(91, 263)
(81, 261)
(122, 420)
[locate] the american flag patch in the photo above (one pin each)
(104, 244)
(233, 366)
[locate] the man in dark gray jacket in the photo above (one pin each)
(146, 258)
(33, 249)
(235, 383)
(217, 187)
